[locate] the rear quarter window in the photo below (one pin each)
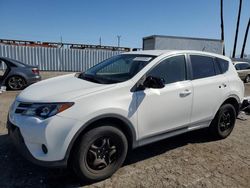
(223, 64)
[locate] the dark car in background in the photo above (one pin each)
(16, 75)
(243, 68)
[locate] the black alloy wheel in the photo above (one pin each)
(16, 83)
(100, 152)
(224, 121)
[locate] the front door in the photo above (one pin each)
(169, 108)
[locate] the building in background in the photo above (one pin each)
(159, 42)
(53, 56)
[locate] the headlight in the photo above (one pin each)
(46, 110)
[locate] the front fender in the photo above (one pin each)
(76, 131)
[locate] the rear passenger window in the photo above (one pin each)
(202, 66)
(223, 64)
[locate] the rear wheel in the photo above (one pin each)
(224, 121)
(247, 79)
(16, 83)
(101, 152)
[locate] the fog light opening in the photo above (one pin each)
(44, 148)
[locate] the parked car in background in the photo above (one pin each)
(91, 119)
(243, 69)
(16, 75)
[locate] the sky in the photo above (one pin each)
(85, 21)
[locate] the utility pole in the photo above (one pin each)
(61, 41)
(100, 41)
(222, 25)
(118, 40)
(237, 29)
(245, 40)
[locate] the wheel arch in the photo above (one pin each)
(235, 101)
(119, 122)
(15, 74)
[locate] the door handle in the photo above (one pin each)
(185, 93)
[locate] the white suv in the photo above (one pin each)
(91, 119)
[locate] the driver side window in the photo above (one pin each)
(171, 70)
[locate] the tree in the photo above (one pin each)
(245, 39)
(222, 25)
(237, 29)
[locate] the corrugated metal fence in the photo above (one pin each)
(56, 59)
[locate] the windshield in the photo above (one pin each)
(116, 69)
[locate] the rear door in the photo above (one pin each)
(209, 88)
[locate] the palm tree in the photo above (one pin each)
(245, 40)
(237, 29)
(222, 25)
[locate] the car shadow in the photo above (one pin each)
(17, 171)
(163, 146)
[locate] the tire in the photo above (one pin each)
(16, 83)
(100, 153)
(223, 122)
(247, 79)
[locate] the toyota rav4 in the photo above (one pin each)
(91, 119)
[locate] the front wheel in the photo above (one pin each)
(224, 121)
(100, 153)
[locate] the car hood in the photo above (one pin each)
(60, 89)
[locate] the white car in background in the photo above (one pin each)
(243, 69)
(91, 119)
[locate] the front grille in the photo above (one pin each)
(22, 107)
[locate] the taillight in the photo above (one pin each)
(35, 70)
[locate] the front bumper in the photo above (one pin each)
(17, 139)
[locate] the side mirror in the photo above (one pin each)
(154, 82)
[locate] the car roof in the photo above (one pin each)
(15, 62)
(241, 60)
(149, 52)
(166, 52)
